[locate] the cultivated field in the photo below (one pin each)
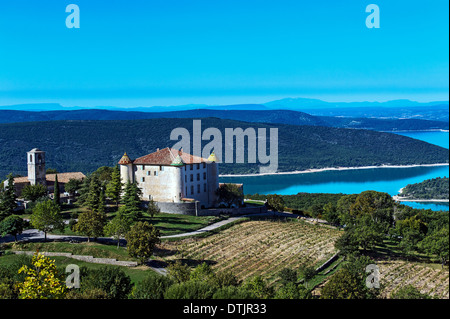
(257, 247)
(428, 279)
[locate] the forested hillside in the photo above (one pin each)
(436, 188)
(86, 145)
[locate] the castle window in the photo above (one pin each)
(198, 188)
(142, 167)
(161, 168)
(149, 173)
(155, 173)
(142, 179)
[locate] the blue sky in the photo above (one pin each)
(171, 52)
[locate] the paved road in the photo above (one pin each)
(36, 235)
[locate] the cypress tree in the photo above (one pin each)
(8, 199)
(56, 192)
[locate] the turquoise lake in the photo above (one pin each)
(389, 180)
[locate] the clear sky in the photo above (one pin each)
(171, 52)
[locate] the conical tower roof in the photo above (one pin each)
(212, 157)
(177, 161)
(125, 160)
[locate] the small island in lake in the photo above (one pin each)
(435, 189)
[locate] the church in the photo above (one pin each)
(37, 174)
(173, 176)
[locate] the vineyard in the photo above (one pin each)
(398, 273)
(257, 247)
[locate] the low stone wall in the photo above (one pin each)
(178, 208)
(89, 259)
(232, 211)
(193, 209)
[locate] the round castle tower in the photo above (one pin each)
(213, 179)
(126, 169)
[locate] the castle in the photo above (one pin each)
(173, 176)
(37, 174)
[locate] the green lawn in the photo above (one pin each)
(136, 273)
(171, 224)
(90, 249)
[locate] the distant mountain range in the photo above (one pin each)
(259, 116)
(396, 109)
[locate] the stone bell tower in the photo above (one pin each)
(36, 167)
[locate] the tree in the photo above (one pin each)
(411, 231)
(409, 292)
(111, 280)
(114, 187)
(437, 243)
(178, 272)
(56, 193)
(141, 240)
(190, 290)
(34, 192)
(350, 281)
(8, 198)
(292, 291)
(42, 280)
(202, 272)
(151, 287)
(118, 227)
(257, 286)
(275, 202)
(331, 214)
(153, 209)
(91, 224)
(93, 200)
(12, 225)
(308, 273)
(288, 275)
(229, 194)
(132, 201)
(46, 217)
(344, 284)
(72, 186)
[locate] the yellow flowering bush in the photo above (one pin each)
(42, 281)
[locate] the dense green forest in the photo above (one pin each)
(86, 145)
(436, 188)
(303, 203)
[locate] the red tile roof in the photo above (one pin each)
(167, 156)
(62, 177)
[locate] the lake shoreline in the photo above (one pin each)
(318, 170)
(406, 199)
